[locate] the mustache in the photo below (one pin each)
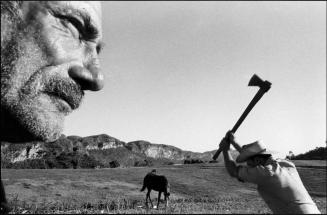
(65, 89)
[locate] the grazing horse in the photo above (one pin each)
(158, 183)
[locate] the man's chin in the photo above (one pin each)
(45, 127)
(33, 125)
(45, 118)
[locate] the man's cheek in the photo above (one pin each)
(59, 44)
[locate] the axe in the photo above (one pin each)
(264, 86)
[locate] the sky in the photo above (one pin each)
(177, 73)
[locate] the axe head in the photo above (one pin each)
(258, 82)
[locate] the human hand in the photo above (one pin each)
(230, 136)
(231, 139)
(224, 144)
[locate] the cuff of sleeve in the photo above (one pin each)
(238, 175)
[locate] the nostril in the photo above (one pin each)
(89, 79)
(98, 82)
(82, 77)
(98, 78)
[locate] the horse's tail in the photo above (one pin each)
(146, 180)
(143, 188)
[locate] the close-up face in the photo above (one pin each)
(253, 161)
(250, 162)
(256, 160)
(49, 57)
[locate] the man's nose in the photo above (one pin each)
(89, 78)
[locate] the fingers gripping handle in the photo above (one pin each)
(220, 149)
(253, 102)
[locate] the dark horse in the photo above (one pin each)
(158, 183)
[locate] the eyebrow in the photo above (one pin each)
(90, 30)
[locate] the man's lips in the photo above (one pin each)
(68, 101)
(67, 90)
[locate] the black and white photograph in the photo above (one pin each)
(163, 107)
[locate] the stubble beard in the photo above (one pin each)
(26, 116)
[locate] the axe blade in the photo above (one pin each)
(264, 87)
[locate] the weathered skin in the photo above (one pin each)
(48, 59)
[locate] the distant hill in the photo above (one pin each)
(94, 151)
(319, 153)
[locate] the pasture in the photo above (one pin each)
(197, 188)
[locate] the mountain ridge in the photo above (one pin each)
(94, 151)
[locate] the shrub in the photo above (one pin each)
(192, 161)
(86, 161)
(30, 164)
(319, 153)
(143, 163)
(114, 164)
(213, 161)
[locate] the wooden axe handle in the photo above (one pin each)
(253, 102)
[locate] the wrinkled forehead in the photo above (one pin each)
(92, 8)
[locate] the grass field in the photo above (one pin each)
(198, 188)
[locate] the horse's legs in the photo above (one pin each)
(166, 199)
(146, 200)
(159, 195)
(148, 196)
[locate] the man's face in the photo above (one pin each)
(256, 160)
(251, 162)
(46, 64)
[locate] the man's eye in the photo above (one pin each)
(75, 26)
(76, 23)
(80, 28)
